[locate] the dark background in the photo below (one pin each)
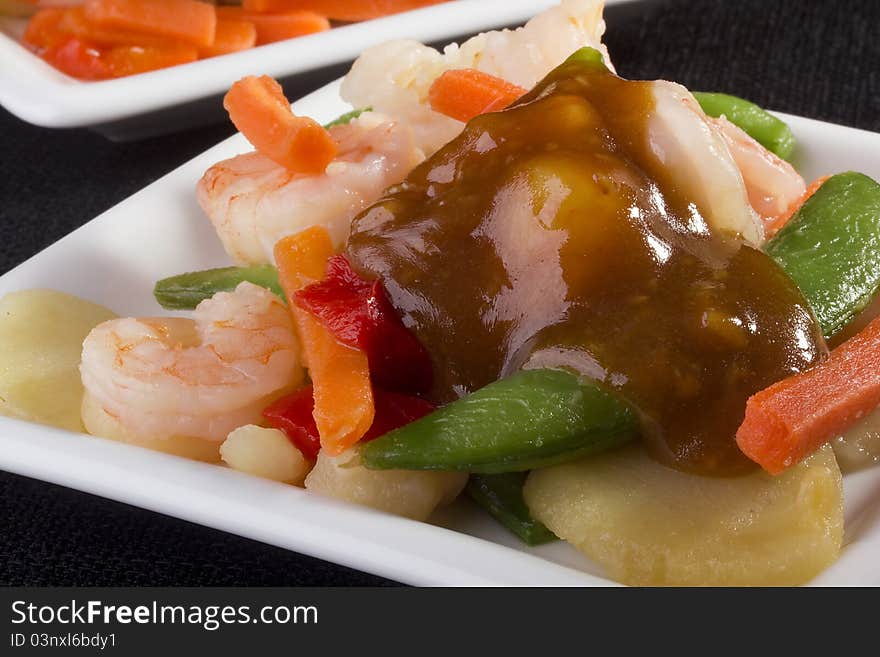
(819, 59)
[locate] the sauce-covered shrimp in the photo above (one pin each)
(199, 378)
(254, 202)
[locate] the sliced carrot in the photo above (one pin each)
(278, 26)
(188, 20)
(465, 93)
(776, 223)
(76, 23)
(43, 30)
(305, 255)
(344, 407)
(131, 60)
(17, 8)
(258, 108)
(231, 36)
(340, 10)
(794, 417)
(231, 13)
(78, 59)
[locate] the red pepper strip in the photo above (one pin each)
(293, 415)
(394, 410)
(359, 314)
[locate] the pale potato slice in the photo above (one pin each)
(403, 492)
(860, 446)
(647, 524)
(266, 453)
(99, 423)
(41, 336)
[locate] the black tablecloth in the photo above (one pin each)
(815, 58)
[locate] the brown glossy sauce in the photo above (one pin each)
(544, 236)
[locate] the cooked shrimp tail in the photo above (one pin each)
(200, 377)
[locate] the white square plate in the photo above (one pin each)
(40, 94)
(115, 260)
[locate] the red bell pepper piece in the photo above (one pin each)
(293, 415)
(394, 410)
(359, 313)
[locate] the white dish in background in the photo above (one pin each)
(138, 106)
(160, 231)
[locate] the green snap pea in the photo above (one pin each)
(501, 495)
(831, 249)
(586, 55)
(772, 133)
(532, 419)
(186, 291)
(348, 117)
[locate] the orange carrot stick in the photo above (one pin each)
(465, 93)
(188, 20)
(278, 27)
(77, 59)
(231, 36)
(258, 108)
(43, 29)
(76, 23)
(794, 417)
(131, 60)
(340, 10)
(777, 223)
(344, 408)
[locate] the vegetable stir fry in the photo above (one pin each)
(611, 311)
(103, 39)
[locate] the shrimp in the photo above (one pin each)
(684, 140)
(738, 185)
(200, 377)
(395, 77)
(253, 202)
(772, 183)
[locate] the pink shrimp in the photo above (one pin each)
(773, 185)
(253, 202)
(201, 377)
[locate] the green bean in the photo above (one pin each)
(501, 495)
(772, 133)
(348, 117)
(531, 419)
(186, 291)
(831, 249)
